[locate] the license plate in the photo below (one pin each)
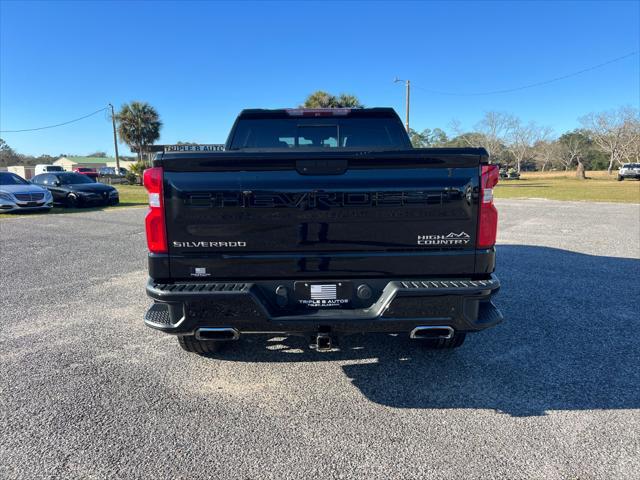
(323, 294)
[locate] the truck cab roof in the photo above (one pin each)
(377, 112)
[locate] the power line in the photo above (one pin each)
(56, 125)
(531, 85)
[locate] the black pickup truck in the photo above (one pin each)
(321, 222)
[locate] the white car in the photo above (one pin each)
(18, 195)
(44, 168)
(629, 170)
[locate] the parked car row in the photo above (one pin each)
(88, 171)
(69, 189)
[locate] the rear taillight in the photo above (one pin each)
(154, 221)
(488, 216)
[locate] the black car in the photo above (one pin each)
(75, 190)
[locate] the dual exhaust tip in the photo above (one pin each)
(435, 332)
(220, 334)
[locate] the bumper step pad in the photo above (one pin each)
(158, 314)
(488, 314)
(201, 287)
(449, 284)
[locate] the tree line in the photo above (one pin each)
(605, 140)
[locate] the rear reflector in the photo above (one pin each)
(488, 215)
(154, 221)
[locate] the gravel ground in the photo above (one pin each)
(86, 391)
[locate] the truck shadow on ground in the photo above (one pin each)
(570, 341)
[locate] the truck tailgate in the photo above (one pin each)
(248, 216)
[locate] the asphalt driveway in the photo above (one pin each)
(86, 391)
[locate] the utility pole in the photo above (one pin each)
(408, 97)
(115, 140)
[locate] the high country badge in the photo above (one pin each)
(450, 239)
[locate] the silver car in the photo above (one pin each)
(16, 194)
(629, 170)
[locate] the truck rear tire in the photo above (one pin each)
(193, 345)
(620, 178)
(445, 343)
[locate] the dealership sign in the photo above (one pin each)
(194, 148)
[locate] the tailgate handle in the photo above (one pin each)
(321, 167)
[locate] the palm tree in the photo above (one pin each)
(138, 126)
(322, 99)
(319, 99)
(348, 101)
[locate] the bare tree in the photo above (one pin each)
(546, 150)
(491, 133)
(630, 150)
(612, 131)
(496, 128)
(565, 157)
(522, 140)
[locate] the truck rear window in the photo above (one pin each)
(319, 133)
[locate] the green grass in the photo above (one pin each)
(599, 187)
(130, 196)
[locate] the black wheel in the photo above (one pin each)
(445, 343)
(72, 201)
(193, 345)
(620, 178)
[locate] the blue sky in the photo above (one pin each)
(200, 63)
